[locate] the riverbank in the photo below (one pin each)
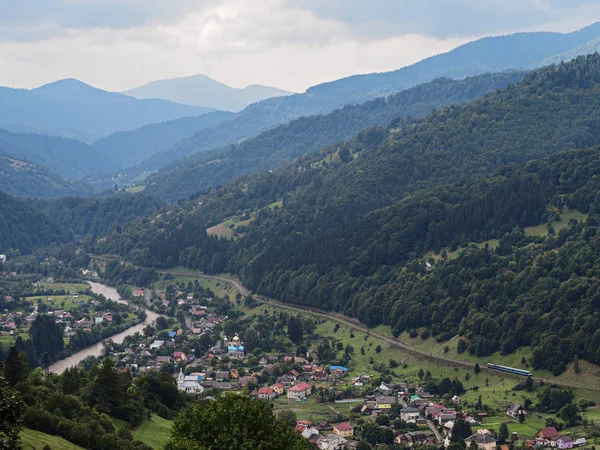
(96, 350)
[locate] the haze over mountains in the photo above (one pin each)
(200, 90)
(70, 108)
(133, 137)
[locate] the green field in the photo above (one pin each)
(153, 431)
(565, 217)
(228, 228)
(36, 440)
(220, 289)
(59, 301)
(135, 189)
(68, 287)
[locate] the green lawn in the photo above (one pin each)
(68, 287)
(36, 440)
(153, 431)
(57, 303)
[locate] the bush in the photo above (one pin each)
(425, 334)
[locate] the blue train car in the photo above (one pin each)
(525, 373)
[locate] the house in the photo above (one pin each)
(157, 344)
(382, 401)
(516, 410)
(547, 436)
(285, 381)
(266, 393)
(411, 439)
(384, 390)
(189, 383)
(278, 388)
(410, 415)
(456, 400)
(179, 356)
(309, 432)
(98, 319)
(446, 416)
(340, 368)
(319, 376)
(138, 293)
(301, 390)
(343, 429)
(580, 442)
(332, 442)
(483, 441)
(565, 441)
(222, 375)
(163, 359)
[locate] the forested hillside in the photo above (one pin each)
(491, 54)
(352, 217)
(24, 228)
(128, 148)
(66, 157)
(24, 179)
(97, 215)
(286, 143)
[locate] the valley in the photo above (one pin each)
(383, 261)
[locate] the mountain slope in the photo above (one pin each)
(345, 229)
(97, 215)
(492, 54)
(273, 148)
(201, 90)
(128, 148)
(24, 179)
(67, 157)
(70, 108)
(24, 228)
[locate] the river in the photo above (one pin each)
(96, 349)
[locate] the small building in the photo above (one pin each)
(483, 441)
(179, 356)
(138, 293)
(344, 429)
(516, 410)
(580, 442)
(410, 415)
(300, 390)
(319, 376)
(547, 436)
(266, 393)
(278, 388)
(564, 442)
(157, 344)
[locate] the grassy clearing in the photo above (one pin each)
(228, 229)
(36, 440)
(59, 301)
(565, 217)
(135, 189)
(67, 287)
(153, 431)
(220, 288)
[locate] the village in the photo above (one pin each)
(220, 342)
(208, 349)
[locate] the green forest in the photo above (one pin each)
(307, 135)
(357, 218)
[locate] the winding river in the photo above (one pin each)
(96, 349)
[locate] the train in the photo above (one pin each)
(525, 373)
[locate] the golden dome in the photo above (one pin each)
(236, 339)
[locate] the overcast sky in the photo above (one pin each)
(291, 44)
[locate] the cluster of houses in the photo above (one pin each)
(13, 322)
(337, 438)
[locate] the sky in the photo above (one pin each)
(291, 44)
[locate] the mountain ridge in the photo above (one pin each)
(201, 90)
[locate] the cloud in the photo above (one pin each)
(292, 44)
(446, 18)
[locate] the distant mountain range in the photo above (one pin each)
(522, 51)
(200, 90)
(70, 108)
